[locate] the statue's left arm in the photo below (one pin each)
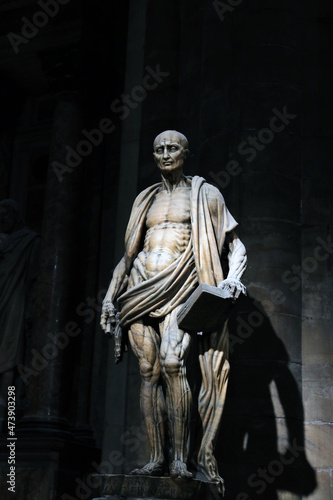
(237, 260)
(225, 226)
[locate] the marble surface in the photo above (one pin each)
(158, 487)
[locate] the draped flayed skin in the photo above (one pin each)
(200, 263)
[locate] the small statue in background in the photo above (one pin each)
(18, 268)
(173, 243)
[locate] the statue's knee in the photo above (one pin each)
(172, 366)
(147, 370)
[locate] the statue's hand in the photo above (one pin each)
(234, 286)
(108, 317)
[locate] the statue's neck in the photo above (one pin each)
(171, 180)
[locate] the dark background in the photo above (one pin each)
(229, 68)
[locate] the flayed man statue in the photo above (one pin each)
(173, 243)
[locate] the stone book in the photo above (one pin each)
(205, 310)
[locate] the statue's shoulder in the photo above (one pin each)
(146, 193)
(212, 192)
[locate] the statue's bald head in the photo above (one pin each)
(170, 150)
(171, 136)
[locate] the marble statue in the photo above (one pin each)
(19, 250)
(174, 240)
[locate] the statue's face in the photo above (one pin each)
(169, 154)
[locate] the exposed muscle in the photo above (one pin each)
(168, 230)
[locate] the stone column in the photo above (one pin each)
(55, 330)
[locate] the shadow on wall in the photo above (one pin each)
(255, 459)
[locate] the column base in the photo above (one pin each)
(53, 427)
(47, 467)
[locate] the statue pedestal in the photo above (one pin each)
(116, 486)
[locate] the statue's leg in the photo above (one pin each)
(145, 343)
(174, 349)
(213, 354)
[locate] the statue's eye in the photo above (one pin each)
(173, 148)
(159, 150)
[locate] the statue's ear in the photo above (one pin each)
(186, 153)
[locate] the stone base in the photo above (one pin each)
(119, 486)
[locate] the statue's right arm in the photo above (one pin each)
(118, 282)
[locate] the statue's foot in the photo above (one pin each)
(178, 469)
(150, 469)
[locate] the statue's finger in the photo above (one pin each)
(103, 323)
(113, 321)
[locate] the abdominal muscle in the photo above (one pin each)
(163, 244)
